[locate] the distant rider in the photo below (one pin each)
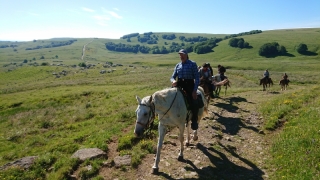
(285, 78)
(266, 75)
(221, 71)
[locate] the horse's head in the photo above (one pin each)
(145, 115)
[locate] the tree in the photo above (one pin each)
(82, 64)
(272, 49)
(57, 56)
(42, 57)
(240, 43)
(302, 48)
(282, 50)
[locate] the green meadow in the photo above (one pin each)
(42, 115)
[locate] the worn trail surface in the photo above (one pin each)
(231, 145)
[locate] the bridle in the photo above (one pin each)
(151, 117)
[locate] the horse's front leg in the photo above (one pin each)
(181, 128)
(162, 132)
(187, 142)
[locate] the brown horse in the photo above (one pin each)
(284, 84)
(225, 82)
(205, 86)
(265, 82)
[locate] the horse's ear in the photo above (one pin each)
(150, 99)
(138, 99)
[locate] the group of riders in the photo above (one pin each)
(268, 79)
(187, 76)
(207, 77)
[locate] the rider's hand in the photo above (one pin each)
(174, 83)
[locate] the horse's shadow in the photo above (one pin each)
(222, 167)
(232, 125)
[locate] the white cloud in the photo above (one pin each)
(87, 9)
(101, 20)
(114, 14)
(116, 9)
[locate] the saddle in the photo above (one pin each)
(186, 99)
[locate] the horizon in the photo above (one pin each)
(33, 20)
(142, 33)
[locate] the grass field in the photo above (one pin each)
(53, 117)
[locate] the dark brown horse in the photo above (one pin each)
(265, 82)
(284, 84)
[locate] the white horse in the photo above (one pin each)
(218, 83)
(171, 108)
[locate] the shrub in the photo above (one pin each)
(302, 48)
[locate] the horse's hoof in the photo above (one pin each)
(187, 144)
(195, 138)
(180, 158)
(155, 170)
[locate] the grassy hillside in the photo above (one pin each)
(52, 117)
(223, 53)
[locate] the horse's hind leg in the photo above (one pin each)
(162, 132)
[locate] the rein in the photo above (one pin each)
(170, 105)
(151, 118)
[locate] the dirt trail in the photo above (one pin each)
(84, 49)
(230, 146)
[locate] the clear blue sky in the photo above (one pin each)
(26, 20)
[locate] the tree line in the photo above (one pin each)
(6, 46)
(199, 44)
(54, 44)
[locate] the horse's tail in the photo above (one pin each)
(204, 100)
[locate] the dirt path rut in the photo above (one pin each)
(231, 145)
